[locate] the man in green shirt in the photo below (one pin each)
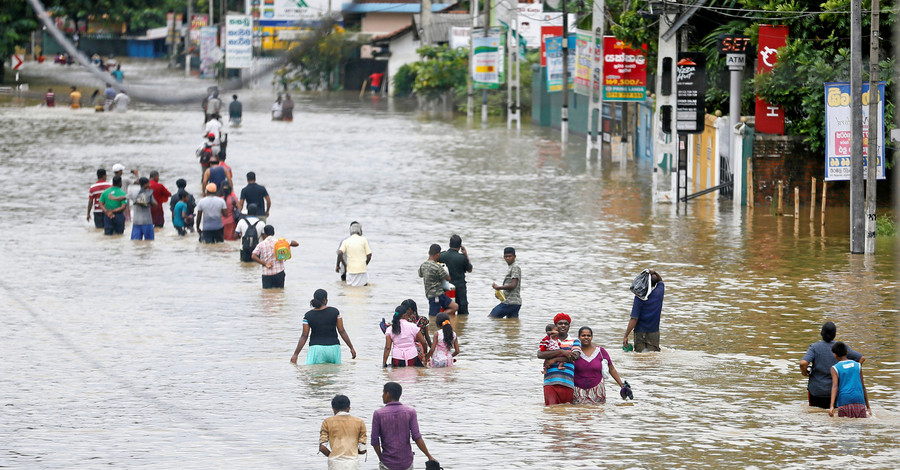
(434, 275)
(113, 202)
(512, 284)
(457, 261)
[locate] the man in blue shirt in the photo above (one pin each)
(645, 317)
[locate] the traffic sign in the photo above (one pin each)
(17, 61)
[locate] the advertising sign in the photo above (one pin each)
(531, 19)
(548, 32)
(197, 22)
(624, 71)
(690, 92)
(769, 118)
(584, 58)
(554, 50)
(487, 58)
(275, 13)
(838, 131)
(238, 42)
(208, 51)
(459, 37)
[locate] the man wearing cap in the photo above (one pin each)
(114, 206)
(161, 194)
(264, 254)
(216, 175)
(94, 193)
(457, 261)
(355, 253)
(210, 211)
(142, 219)
(127, 183)
(559, 384)
(512, 284)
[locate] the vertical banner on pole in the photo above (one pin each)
(584, 58)
(690, 89)
(208, 49)
(624, 71)
(769, 118)
(837, 131)
(554, 49)
(487, 56)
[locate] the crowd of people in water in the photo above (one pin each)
(576, 369)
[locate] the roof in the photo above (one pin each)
(390, 6)
(393, 35)
(441, 24)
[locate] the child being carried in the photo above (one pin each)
(551, 343)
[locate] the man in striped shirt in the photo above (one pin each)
(559, 384)
(94, 198)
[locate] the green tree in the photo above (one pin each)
(318, 66)
(17, 21)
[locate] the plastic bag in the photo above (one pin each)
(641, 287)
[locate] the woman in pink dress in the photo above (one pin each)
(400, 340)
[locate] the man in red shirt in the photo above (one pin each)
(161, 194)
(94, 198)
(375, 82)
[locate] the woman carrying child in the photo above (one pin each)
(444, 340)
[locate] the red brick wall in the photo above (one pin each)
(786, 158)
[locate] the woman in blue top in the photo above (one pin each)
(321, 326)
(848, 388)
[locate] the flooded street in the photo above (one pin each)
(168, 354)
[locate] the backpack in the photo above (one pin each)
(206, 154)
(249, 240)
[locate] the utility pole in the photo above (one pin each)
(470, 96)
(426, 21)
(513, 85)
(187, 38)
(595, 94)
(564, 115)
(210, 21)
(872, 160)
(665, 142)
(487, 24)
(857, 219)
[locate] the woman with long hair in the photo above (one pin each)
(444, 341)
(321, 326)
(401, 339)
(231, 204)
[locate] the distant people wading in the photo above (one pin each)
(645, 316)
(445, 345)
(265, 254)
(512, 286)
(343, 437)
(457, 261)
(355, 254)
(235, 111)
(321, 326)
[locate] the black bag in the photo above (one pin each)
(206, 154)
(433, 465)
(641, 287)
(249, 240)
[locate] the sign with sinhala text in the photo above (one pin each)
(238, 42)
(584, 58)
(838, 130)
(624, 71)
(487, 55)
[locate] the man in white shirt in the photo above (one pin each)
(121, 101)
(214, 126)
(355, 253)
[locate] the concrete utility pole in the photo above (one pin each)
(513, 85)
(187, 38)
(564, 114)
(470, 96)
(857, 219)
(210, 21)
(487, 24)
(595, 94)
(873, 131)
(665, 144)
(426, 21)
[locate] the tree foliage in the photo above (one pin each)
(441, 69)
(317, 67)
(17, 21)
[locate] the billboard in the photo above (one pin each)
(838, 131)
(238, 42)
(487, 57)
(584, 61)
(690, 93)
(288, 12)
(769, 117)
(624, 71)
(553, 46)
(208, 51)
